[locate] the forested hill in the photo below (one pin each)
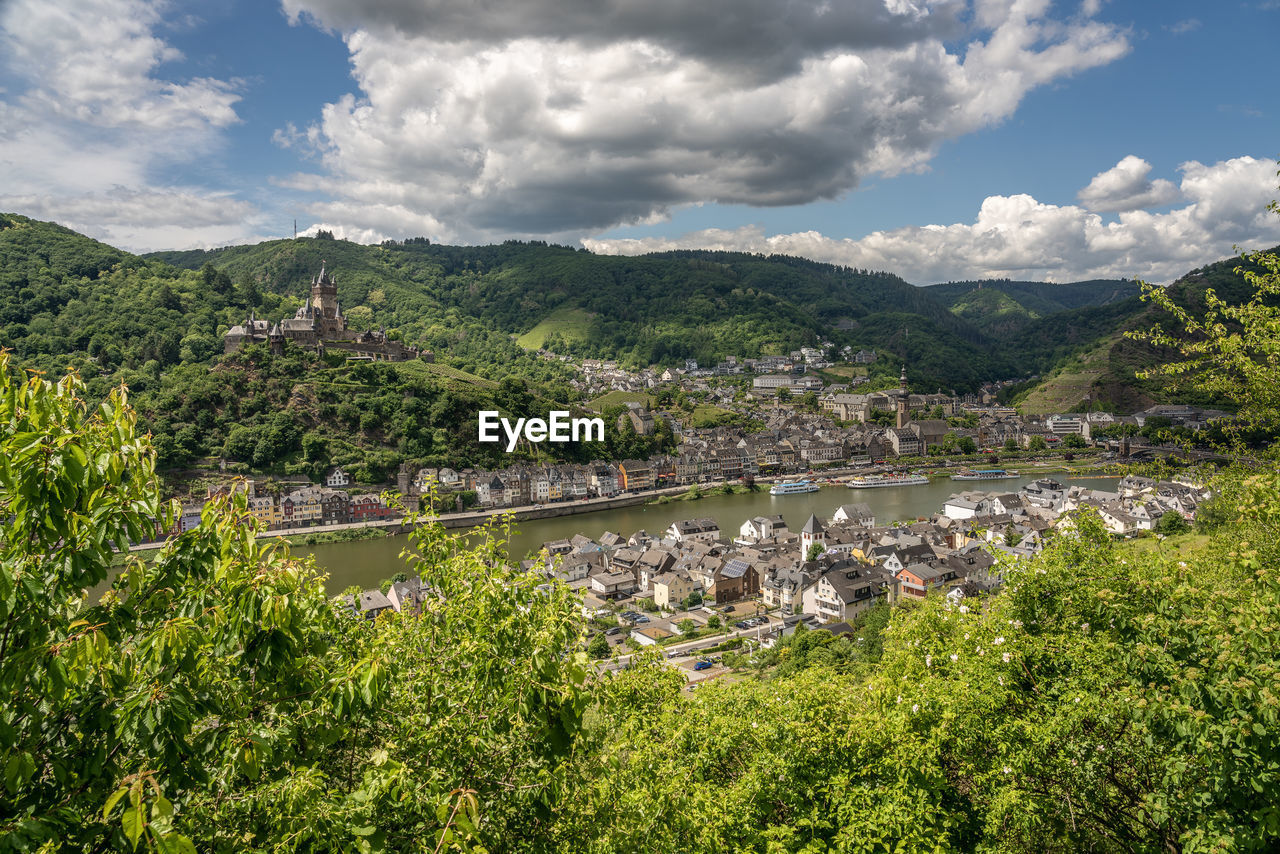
(1088, 356)
(69, 300)
(654, 309)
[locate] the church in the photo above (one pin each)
(320, 325)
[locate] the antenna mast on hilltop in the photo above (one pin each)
(295, 229)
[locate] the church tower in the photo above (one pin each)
(903, 400)
(813, 532)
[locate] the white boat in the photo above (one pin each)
(795, 487)
(873, 480)
(984, 474)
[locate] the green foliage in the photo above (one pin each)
(599, 646)
(1231, 349)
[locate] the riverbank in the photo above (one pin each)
(937, 470)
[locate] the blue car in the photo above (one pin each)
(702, 665)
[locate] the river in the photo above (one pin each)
(366, 562)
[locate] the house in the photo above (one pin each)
(735, 579)
(373, 602)
(695, 530)
(337, 478)
(762, 528)
(634, 475)
(671, 588)
(918, 579)
(846, 590)
(856, 514)
(613, 585)
(407, 595)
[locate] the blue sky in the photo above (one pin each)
(939, 139)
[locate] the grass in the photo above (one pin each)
(571, 323)
(617, 398)
(708, 416)
(1181, 544)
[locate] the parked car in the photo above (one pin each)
(616, 630)
(702, 665)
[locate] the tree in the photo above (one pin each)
(816, 551)
(1073, 440)
(784, 395)
(599, 646)
(1038, 443)
(686, 626)
(1231, 351)
(713, 622)
(1011, 444)
(116, 709)
(967, 445)
(1170, 523)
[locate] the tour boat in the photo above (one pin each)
(984, 474)
(794, 487)
(868, 481)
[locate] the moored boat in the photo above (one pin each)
(984, 474)
(870, 481)
(794, 487)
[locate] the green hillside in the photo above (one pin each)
(1086, 353)
(655, 309)
(71, 303)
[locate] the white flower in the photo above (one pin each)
(955, 657)
(966, 635)
(928, 661)
(964, 609)
(979, 650)
(1000, 679)
(755, 725)
(1084, 627)
(915, 707)
(899, 699)
(1008, 770)
(1077, 699)
(999, 640)
(1006, 657)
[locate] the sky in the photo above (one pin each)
(937, 139)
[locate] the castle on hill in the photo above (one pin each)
(320, 325)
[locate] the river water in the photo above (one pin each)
(366, 562)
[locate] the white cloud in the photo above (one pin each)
(558, 118)
(81, 141)
(1125, 187)
(1019, 237)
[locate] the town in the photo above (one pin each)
(694, 589)
(840, 431)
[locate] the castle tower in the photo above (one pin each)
(324, 305)
(903, 396)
